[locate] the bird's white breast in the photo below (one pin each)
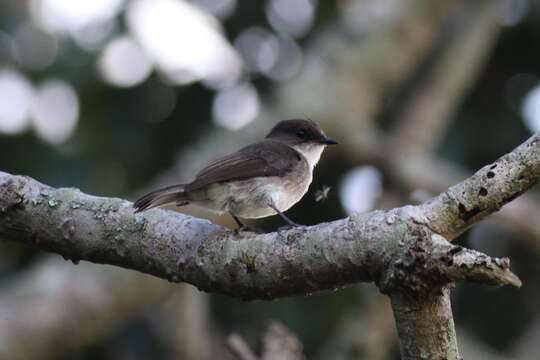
(312, 152)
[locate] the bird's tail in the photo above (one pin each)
(170, 194)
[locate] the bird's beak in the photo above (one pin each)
(329, 141)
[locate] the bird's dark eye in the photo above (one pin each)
(301, 133)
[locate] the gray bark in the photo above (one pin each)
(486, 191)
(299, 261)
(425, 325)
(402, 250)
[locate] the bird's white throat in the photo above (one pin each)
(311, 151)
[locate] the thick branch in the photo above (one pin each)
(425, 326)
(299, 261)
(396, 248)
(486, 191)
(181, 248)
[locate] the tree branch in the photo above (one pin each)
(484, 193)
(240, 348)
(401, 250)
(408, 251)
(425, 325)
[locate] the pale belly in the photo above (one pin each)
(251, 197)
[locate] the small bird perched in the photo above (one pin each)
(262, 179)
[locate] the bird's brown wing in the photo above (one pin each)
(266, 158)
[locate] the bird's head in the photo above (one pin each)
(298, 131)
(305, 136)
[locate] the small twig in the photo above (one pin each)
(466, 264)
(238, 346)
(277, 343)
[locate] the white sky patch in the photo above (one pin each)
(360, 189)
(55, 111)
(184, 42)
(16, 94)
(531, 109)
(123, 63)
(235, 107)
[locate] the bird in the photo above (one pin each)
(262, 179)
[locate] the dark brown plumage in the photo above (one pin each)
(265, 158)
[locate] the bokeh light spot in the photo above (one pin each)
(16, 95)
(360, 189)
(531, 109)
(88, 22)
(277, 57)
(68, 17)
(55, 111)
(293, 17)
(184, 42)
(123, 63)
(236, 107)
